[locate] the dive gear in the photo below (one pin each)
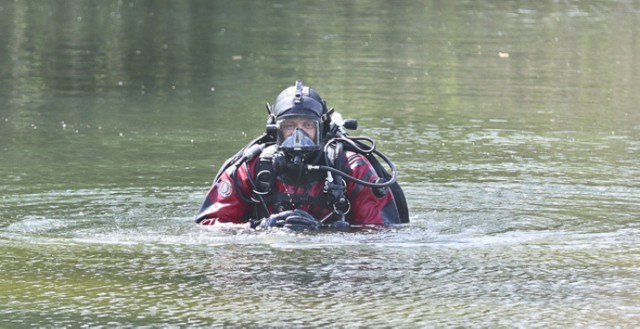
(311, 150)
(299, 101)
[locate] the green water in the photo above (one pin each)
(515, 127)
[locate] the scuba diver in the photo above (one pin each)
(305, 173)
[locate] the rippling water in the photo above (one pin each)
(514, 125)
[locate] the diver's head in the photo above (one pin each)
(300, 118)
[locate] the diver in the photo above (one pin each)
(306, 173)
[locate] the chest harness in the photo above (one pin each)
(272, 165)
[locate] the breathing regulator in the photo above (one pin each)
(301, 155)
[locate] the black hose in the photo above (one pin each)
(361, 147)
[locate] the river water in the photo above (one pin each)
(515, 127)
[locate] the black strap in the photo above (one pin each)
(279, 197)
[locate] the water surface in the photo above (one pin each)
(514, 125)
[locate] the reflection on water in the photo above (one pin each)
(484, 254)
(323, 280)
(514, 126)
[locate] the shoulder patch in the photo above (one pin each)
(224, 188)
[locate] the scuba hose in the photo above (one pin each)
(357, 144)
(248, 153)
(338, 135)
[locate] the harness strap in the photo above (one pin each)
(279, 197)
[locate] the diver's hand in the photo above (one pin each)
(275, 220)
(296, 220)
(339, 225)
(301, 221)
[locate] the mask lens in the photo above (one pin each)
(298, 134)
(298, 141)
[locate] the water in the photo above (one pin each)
(514, 125)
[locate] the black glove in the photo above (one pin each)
(275, 220)
(296, 220)
(301, 221)
(339, 225)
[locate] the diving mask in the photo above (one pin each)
(298, 134)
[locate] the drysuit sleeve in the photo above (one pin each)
(225, 201)
(366, 207)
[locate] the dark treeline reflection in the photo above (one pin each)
(79, 46)
(159, 45)
(421, 50)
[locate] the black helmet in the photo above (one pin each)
(298, 113)
(298, 100)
